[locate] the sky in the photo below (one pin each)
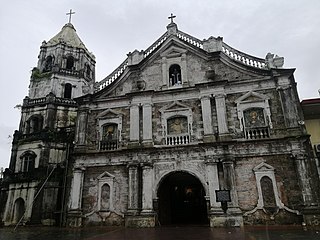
(110, 29)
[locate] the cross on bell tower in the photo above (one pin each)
(70, 13)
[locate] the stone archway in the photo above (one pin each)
(181, 199)
(18, 211)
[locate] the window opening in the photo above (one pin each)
(70, 63)
(48, 64)
(67, 90)
(28, 162)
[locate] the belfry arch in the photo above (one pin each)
(181, 199)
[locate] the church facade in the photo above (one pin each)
(184, 132)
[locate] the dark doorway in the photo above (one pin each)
(181, 200)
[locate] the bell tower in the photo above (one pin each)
(37, 175)
(65, 67)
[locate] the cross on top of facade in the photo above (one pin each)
(70, 13)
(171, 17)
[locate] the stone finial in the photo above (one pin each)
(274, 61)
(172, 28)
(135, 57)
(213, 44)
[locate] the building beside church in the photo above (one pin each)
(187, 131)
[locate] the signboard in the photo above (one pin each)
(223, 196)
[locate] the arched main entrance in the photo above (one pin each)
(181, 200)
(19, 208)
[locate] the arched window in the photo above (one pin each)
(28, 161)
(70, 63)
(175, 75)
(48, 64)
(105, 197)
(67, 90)
(34, 124)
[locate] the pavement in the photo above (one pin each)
(161, 233)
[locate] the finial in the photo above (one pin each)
(70, 13)
(171, 17)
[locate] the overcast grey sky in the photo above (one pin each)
(111, 29)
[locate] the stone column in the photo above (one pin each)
(81, 130)
(213, 180)
(133, 189)
(206, 115)
(304, 180)
(75, 200)
(229, 176)
(147, 123)
(134, 123)
(76, 189)
(147, 189)
(221, 113)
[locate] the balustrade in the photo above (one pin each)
(109, 144)
(257, 133)
(177, 139)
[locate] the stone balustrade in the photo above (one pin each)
(243, 58)
(108, 145)
(257, 133)
(189, 39)
(177, 139)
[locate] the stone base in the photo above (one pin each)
(140, 221)
(48, 222)
(230, 219)
(311, 216)
(74, 218)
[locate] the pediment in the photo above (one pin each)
(175, 106)
(109, 113)
(105, 175)
(251, 97)
(263, 167)
(173, 51)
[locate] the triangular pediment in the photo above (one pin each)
(105, 175)
(109, 113)
(263, 167)
(251, 97)
(173, 51)
(175, 106)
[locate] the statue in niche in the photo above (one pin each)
(178, 125)
(254, 117)
(110, 132)
(105, 197)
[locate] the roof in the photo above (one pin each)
(210, 45)
(68, 36)
(311, 108)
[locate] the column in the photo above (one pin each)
(304, 180)
(213, 180)
(229, 175)
(76, 189)
(221, 113)
(206, 115)
(82, 127)
(147, 189)
(134, 123)
(147, 122)
(133, 188)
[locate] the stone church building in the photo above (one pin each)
(187, 131)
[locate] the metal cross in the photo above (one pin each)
(70, 13)
(171, 17)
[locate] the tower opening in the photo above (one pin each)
(182, 200)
